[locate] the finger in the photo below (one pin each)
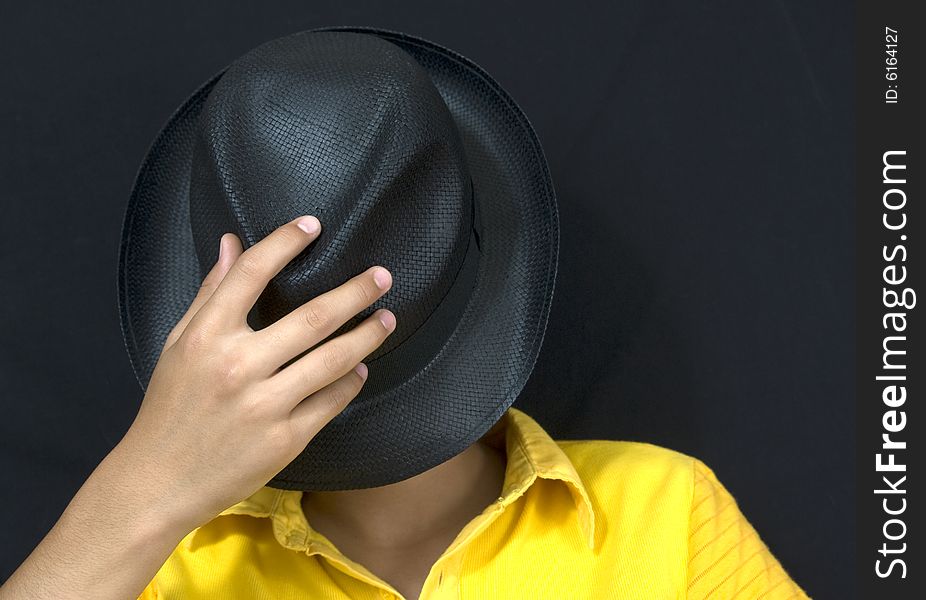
(318, 318)
(229, 250)
(316, 411)
(252, 271)
(332, 359)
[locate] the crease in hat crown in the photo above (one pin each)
(347, 127)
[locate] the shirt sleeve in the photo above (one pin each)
(726, 557)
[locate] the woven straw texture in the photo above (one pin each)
(413, 158)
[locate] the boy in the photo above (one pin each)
(515, 515)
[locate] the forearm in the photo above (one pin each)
(110, 541)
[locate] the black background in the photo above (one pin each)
(702, 155)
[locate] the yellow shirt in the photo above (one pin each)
(592, 519)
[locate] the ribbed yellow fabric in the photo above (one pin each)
(576, 519)
(726, 557)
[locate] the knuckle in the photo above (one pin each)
(252, 409)
(275, 339)
(335, 357)
(363, 294)
(208, 285)
(232, 369)
(290, 234)
(315, 315)
(195, 338)
(281, 441)
(337, 398)
(249, 266)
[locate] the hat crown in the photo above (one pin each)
(349, 128)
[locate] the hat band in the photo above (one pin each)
(418, 349)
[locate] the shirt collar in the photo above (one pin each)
(531, 453)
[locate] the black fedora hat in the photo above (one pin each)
(413, 158)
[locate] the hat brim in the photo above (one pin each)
(480, 370)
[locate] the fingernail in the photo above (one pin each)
(382, 278)
(387, 319)
(361, 370)
(221, 247)
(308, 224)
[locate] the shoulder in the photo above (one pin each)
(618, 463)
(621, 462)
(624, 450)
(625, 477)
(637, 491)
(645, 491)
(640, 495)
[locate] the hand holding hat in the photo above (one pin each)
(227, 407)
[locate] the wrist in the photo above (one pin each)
(149, 490)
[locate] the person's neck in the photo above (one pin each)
(439, 501)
